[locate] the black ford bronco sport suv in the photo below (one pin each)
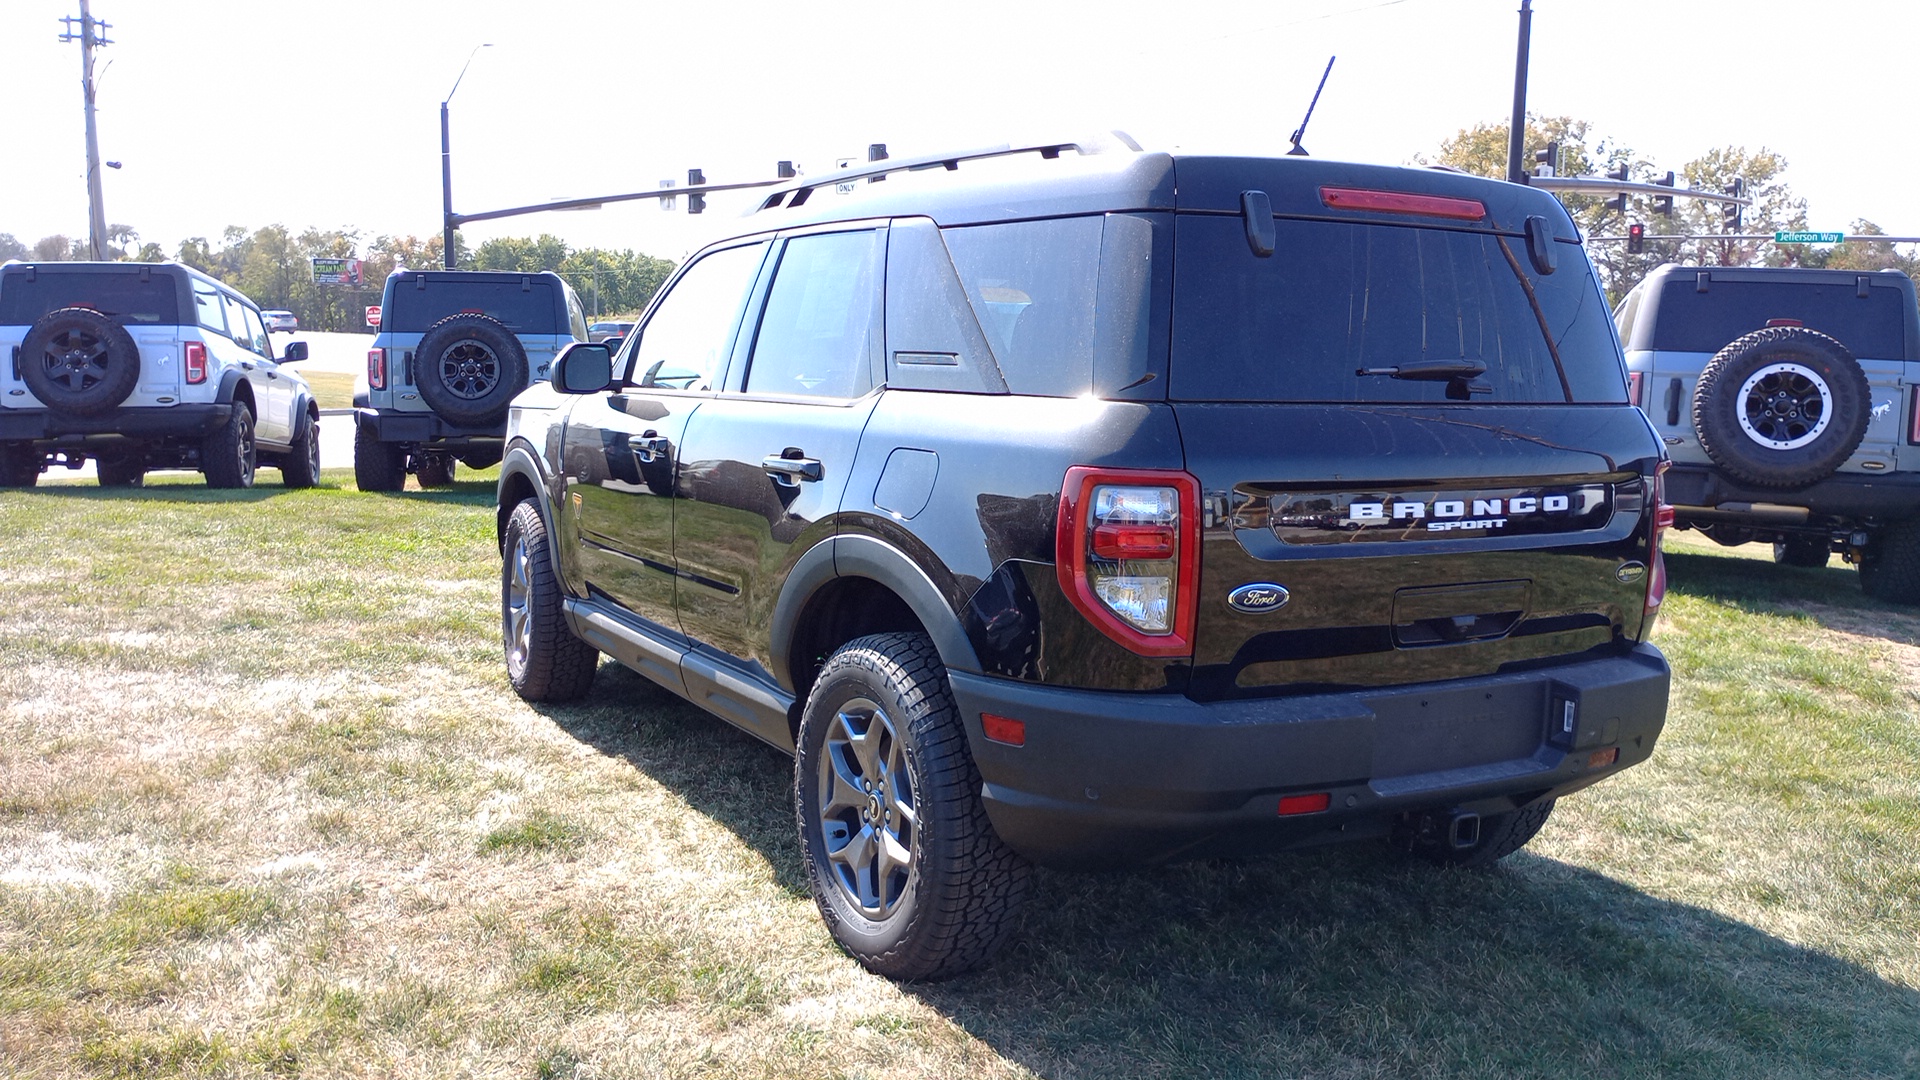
(1108, 509)
(1787, 400)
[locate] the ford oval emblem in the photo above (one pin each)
(1630, 572)
(1258, 598)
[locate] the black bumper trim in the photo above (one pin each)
(185, 421)
(1116, 779)
(427, 427)
(1888, 496)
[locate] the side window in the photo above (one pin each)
(684, 345)
(237, 322)
(258, 331)
(207, 309)
(576, 316)
(1033, 285)
(817, 335)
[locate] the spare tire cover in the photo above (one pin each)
(1782, 407)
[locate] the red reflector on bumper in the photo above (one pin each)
(1304, 804)
(1003, 729)
(1600, 759)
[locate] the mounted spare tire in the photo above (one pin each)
(469, 367)
(1782, 407)
(79, 361)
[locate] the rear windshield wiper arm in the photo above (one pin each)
(1430, 370)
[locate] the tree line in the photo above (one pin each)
(272, 266)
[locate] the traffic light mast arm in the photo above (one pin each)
(1589, 185)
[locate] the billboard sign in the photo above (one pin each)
(336, 271)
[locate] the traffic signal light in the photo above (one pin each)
(696, 202)
(1663, 204)
(1730, 212)
(1549, 158)
(1618, 202)
(1636, 238)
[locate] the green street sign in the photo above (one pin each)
(1808, 237)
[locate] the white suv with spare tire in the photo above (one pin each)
(454, 348)
(139, 366)
(1786, 399)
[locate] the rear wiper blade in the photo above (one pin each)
(1429, 370)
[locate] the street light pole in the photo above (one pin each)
(1517, 131)
(446, 163)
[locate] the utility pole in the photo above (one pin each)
(1517, 133)
(91, 35)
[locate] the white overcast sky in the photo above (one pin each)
(326, 114)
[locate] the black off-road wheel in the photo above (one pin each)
(1809, 551)
(19, 465)
(545, 662)
(121, 469)
(1782, 407)
(229, 456)
(435, 470)
(300, 468)
(469, 367)
(377, 466)
(1890, 569)
(901, 859)
(78, 361)
(1500, 836)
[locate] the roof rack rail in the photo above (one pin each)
(948, 161)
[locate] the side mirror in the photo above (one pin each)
(584, 367)
(296, 352)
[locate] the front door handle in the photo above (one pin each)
(649, 446)
(791, 470)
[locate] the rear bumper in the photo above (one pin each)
(186, 421)
(1701, 495)
(1113, 779)
(426, 427)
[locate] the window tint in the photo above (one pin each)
(1688, 320)
(154, 302)
(817, 332)
(1032, 285)
(525, 305)
(1336, 297)
(684, 344)
(208, 310)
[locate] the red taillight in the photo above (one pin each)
(1913, 416)
(1785, 322)
(196, 352)
(1004, 729)
(1657, 572)
(1128, 554)
(377, 369)
(1403, 202)
(1304, 804)
(1634, 379)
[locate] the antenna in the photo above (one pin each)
(1301, 131)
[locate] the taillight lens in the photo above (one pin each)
(377, 369)
(1128, 551)
(196, 353)
(1657, 572)
(1634, 379)
(1913, 417)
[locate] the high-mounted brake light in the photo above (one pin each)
(1785, 322)
(196, 357)
(377, 368)
(1128, 554)
(1403, 202)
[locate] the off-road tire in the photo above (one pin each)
(78, 361)
(468, 368)
(1500, 836)
(435, 470)
(300, 468)
(1766, 428)
(963, 887)
(122, 469)
(377, 466)
(545, 661)
(1812, 552)
(19, 465)
(229, 456)
(1890, 570)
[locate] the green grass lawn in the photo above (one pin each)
(268, 808)
(331, 389)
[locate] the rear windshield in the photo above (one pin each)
(130, 301)
(1337, 297)
(527, 308)
(1688, 320)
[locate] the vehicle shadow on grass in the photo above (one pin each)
(1830, 596)
(1349, 961)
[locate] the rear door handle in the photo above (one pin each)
(791, 470)
(649, 446)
